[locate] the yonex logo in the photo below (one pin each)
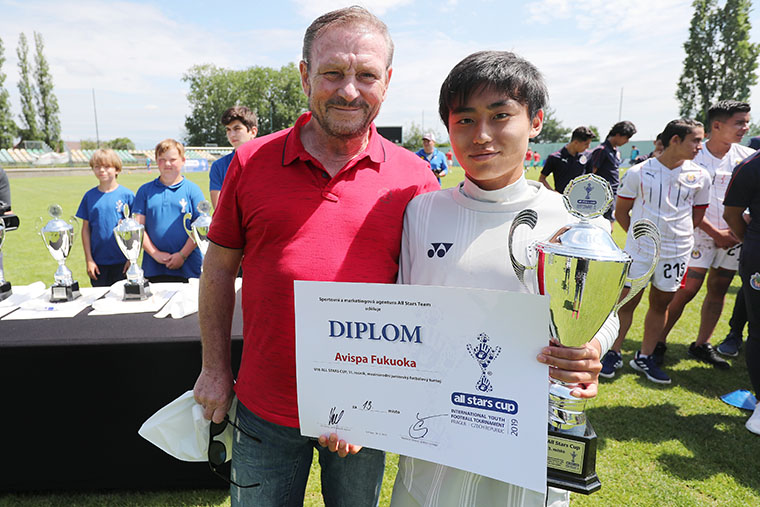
(439, 249)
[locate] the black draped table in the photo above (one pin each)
(75, 392)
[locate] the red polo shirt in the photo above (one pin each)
(294, 222)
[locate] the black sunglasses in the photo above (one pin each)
(217, 451)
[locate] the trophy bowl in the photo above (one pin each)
(5, 286)
(129, 236)
(584, 273)
(198, 230)
(58, 237)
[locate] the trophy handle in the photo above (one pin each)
(642, 228)
(525, 217)
(75, 224)
(188, 216)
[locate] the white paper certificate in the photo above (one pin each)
(444, 374)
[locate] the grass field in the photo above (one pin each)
(677, 445)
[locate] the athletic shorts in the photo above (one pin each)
(667, 274)
(706, 254)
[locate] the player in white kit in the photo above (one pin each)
(673, 193)
(716, 249)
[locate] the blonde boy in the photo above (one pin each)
(100, 210)
(170, 255)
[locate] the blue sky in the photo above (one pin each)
(134, 53)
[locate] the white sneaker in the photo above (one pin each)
(753, 423)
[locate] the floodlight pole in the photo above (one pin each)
(620, 109)
(97, 134)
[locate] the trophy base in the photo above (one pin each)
(61, 293)
(572, 461)
(136, 291)
(5, 290)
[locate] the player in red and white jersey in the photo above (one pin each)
(672, 192)
(716, 249)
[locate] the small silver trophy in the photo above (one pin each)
(584, 272)
(58, 236)
(129, 236)
(198, 230)
(5, 286)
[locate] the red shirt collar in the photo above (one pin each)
(294, 147)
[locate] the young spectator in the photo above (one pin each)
(241, 125)
(528, 158)
(100, 210)
(716, 250)
(744, 192)
(492, 105)
(430, 154)
(169, 254)
(673, 193)
(536, 159)
(634, 153)
(605, 159)
(569, 162)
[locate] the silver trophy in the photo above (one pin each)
(58, 236)
(584, 272)
(5, 286)
(129, 236)
(198, 230)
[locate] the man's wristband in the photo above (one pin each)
(184, 257)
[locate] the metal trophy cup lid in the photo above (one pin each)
(204, 220)
(57, 224)
(128, 224)
(586, 197)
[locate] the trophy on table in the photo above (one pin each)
(58, 236)
(198, 230)
(5, 286)
(129, 236)
(584, 273)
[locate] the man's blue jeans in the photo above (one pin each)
(281, 463)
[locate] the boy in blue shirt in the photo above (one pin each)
(241, 125)
(100, 210)
(169, 254)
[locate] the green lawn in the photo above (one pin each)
(677, 445)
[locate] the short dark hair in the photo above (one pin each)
(350, 15)
(582, 134)
(243, 115)
(681, 127)
(500, 71)
(625, 128)
(725, 109)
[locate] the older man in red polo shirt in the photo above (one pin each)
(323, 200)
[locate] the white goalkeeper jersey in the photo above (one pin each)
(458, 237)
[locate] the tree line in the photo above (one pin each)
(39, 105)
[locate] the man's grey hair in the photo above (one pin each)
(354, 15)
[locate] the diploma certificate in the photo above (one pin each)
(445, 374)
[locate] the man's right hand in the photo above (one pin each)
(213, 391)
(724, 238)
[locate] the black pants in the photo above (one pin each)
(749, 270)
(109, 274)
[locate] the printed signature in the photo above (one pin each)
(418, 428)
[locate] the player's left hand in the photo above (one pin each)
(342, 447)
(574, 365)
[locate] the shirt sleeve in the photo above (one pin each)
(743, 186)
(608, 332)
(227, 229)
(548, 166)
(702, 198)
(139, 204)
(215, 175)
(629, 186)
(83, 212)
